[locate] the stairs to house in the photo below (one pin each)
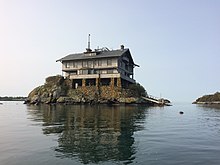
(157, 101)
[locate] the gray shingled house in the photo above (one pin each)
(99, 67)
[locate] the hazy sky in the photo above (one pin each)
(175, 42)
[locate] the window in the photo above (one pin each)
(95, 63)
(79, 64)
(97, 72)
(109, 62)
(80, 72)
(103, 71)
(91, 71)
(90, 64)
(100, 63)
(73, 73)
(67, 65)
(85, 64)
(110, 71)
(84, 71)
(115, 71)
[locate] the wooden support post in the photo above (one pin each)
(119, 82)
(97, 82)
(112, 82)
(112, 87)
(83, 82)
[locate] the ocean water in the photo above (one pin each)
(80, 134)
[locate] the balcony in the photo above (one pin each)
(94, 76)
(81, 68)
(91, 76)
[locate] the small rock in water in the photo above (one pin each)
(181, 112)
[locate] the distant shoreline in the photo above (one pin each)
(208, 102)
(10, 98)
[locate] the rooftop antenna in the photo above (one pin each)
(88, 49)
(89, 41)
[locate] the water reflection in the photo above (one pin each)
(93, 134)
(210, 116)
(209, 106)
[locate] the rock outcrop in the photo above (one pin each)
(59, 90)
(209, 99)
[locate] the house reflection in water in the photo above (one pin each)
(93, 134)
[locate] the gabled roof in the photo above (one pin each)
(98, 54)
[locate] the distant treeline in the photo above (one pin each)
(9, 98)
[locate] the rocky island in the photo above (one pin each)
(58, 89)
(94, 77)
(209, 99)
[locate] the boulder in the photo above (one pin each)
(35, 99)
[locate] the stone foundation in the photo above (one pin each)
(59, 90)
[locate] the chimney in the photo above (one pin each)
(122, 47)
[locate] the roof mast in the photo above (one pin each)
(88, 49)
(89, 41)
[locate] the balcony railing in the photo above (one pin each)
(64, 68)
(93, 76)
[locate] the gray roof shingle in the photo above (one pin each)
(99, 54)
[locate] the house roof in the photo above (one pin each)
(98, 54)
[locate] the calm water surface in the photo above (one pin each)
(51, 135)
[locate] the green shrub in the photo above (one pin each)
(137, 90)
(55, 80)
(209, 98)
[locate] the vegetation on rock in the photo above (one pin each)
(137, 90)
(209, 98)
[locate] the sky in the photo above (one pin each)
(175, 42)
